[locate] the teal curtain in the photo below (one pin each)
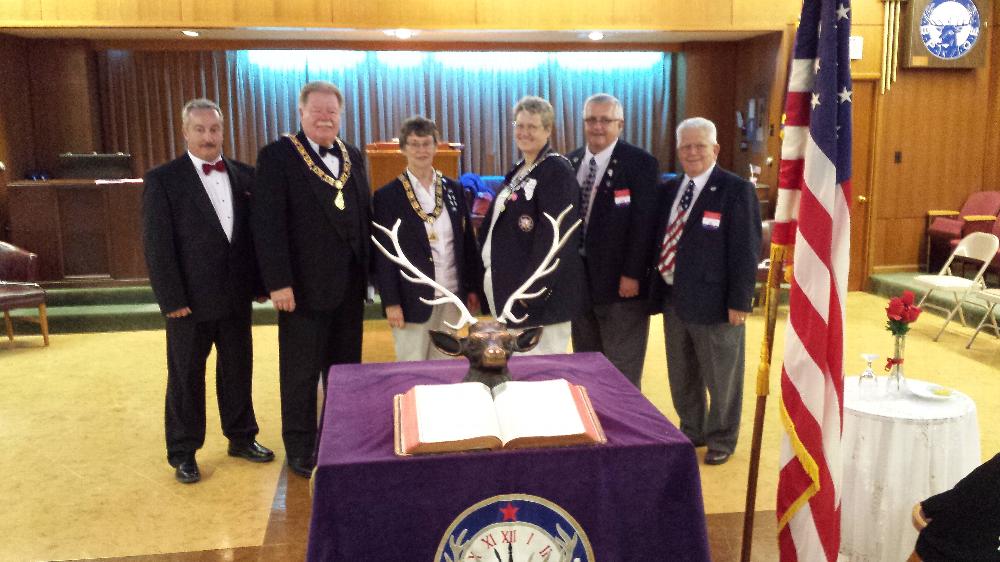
(468, 94)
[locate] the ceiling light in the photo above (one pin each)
(190, 33)
(404, 33)
(595, 36)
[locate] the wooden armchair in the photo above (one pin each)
(18, 271)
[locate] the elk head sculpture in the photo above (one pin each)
(489, 344)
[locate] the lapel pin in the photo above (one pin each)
(712, 188)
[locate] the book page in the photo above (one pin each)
(536, 409)
(452, 412)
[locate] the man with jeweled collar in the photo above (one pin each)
(617, 205)
(310, 220)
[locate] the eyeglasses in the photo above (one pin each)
(420, 145)
(529, 127)
(603, 121)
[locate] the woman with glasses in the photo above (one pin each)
(436, 235)
(516, 235)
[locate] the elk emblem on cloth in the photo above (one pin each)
(489, 344)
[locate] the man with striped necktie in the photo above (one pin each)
(705, 267)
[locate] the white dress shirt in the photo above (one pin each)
(331, 161)
(442, 249)
(603, 159)
(219, 191)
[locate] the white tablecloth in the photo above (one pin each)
(898, 450)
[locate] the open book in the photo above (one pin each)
(465, 416)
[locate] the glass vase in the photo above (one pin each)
(897, 381)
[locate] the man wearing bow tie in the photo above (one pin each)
(201, 263)
(706, 251)
(311, 216)
(618, 206)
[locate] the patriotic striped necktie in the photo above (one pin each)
(668, 249)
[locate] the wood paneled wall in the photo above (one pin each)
(66, 109)
(705, 89)
(420, 14)
(16, 139)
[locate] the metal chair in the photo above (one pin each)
(992, 298)
(979, 246)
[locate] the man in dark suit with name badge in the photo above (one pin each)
(200, 257)
(707, 247)
(310, 219)
(617, 205)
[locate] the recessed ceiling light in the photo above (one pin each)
(190, 33)
(595, 36)
(404, 33)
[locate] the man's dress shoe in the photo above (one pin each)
(303, 466)
(716, 457)
(253, 452)
(187, 472)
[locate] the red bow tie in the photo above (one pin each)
(219, 166)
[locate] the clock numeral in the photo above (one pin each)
(509, 537)
(489, 541)
(474, 556)
(546, 551)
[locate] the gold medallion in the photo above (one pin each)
(432, 236)
(339, 200)
(336, 183)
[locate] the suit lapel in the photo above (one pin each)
(240, 207)
(193, 181)
(322, 190)
(709, 194)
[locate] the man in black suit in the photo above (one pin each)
(618, 184)
(200, 257)
(707, 247)
(310, 221)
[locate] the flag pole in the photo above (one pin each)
(771, 299)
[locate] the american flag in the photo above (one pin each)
(813, 212)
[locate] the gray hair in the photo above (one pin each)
(537, 106)
(618, 112)
(701, 124)
(419, 126)
(321, 86)
(196, 104)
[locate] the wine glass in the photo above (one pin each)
(867, 381)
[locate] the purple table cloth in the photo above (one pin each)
(638, 497)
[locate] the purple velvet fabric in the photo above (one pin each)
(638, 497)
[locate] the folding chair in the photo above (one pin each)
(979, 246)
(992, 298)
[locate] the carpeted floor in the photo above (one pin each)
(86, 477)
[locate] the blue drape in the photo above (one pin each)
(468, 94)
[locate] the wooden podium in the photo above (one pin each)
(385, 161)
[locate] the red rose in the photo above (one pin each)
(895, 309)
(907, 298)
(912, 313)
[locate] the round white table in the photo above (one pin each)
(898, 449)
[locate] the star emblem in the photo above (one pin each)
(845, 95)
(816, 65)
(815, 101)
(842, 11)
(509, 512)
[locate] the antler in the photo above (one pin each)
(420, 278)
(546, 267)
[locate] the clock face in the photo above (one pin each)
(514, 528)
(949, 28)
